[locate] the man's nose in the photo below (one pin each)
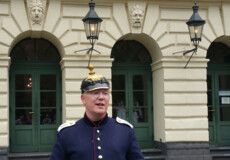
(101, 95)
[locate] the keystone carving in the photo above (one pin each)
(136, 16)
(36, 11)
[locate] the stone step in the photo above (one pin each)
(220, 153)
(30, 156)
(153, 154)
(151, 151)
(154, 158)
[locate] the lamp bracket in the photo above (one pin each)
(89, 51)
(194, 50)
(186, 52)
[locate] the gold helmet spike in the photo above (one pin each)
(91, 70)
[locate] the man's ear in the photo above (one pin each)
(83, 98)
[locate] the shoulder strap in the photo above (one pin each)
(66, 124)
(122, 121)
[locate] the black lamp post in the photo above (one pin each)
(195, 26)
(92, 24)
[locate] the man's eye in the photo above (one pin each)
(95, 93)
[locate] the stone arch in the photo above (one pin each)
(148, 42)
(224, 42)
(42, 34)
(223, 39)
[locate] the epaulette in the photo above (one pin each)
(66, 124)
(122, 121)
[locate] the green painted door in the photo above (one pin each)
(35, 96)
(35, 109)
(132, 100)
(218, 80)
(219, 106)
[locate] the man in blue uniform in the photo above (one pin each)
(96, 136)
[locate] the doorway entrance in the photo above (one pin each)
(35, 96)
(218, 80)
(132, 89)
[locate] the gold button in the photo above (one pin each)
(98, 131)
(98, 139)
(100, 157)
(99, 148)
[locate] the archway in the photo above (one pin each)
(132, 88)
(35, 95)
(218, 79)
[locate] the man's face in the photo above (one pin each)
(96, 103)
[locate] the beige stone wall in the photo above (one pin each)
(180, 100)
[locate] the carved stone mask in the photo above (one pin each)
(136, 16)
(36, 14)
(36, 9)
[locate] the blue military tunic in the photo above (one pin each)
(87, 140)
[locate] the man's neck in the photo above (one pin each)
(94, 122)
(95, 118)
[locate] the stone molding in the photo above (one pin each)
(179, 62)
(5, 61)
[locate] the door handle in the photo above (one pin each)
(31, 112)
(212, 110)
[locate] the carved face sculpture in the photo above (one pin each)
(136, 16)
(36, 14)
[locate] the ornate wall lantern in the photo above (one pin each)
(92, 24)
(195, 26)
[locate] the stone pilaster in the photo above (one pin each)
(4, 107)
(180, 108)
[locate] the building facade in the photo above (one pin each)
(180, 110)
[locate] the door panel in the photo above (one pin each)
(23, 109)
(48, 94)
(132, 101)
(120, 108)
(223, 107)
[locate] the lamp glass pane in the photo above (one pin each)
(195, 32)
(87, 29)
(92, 28)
